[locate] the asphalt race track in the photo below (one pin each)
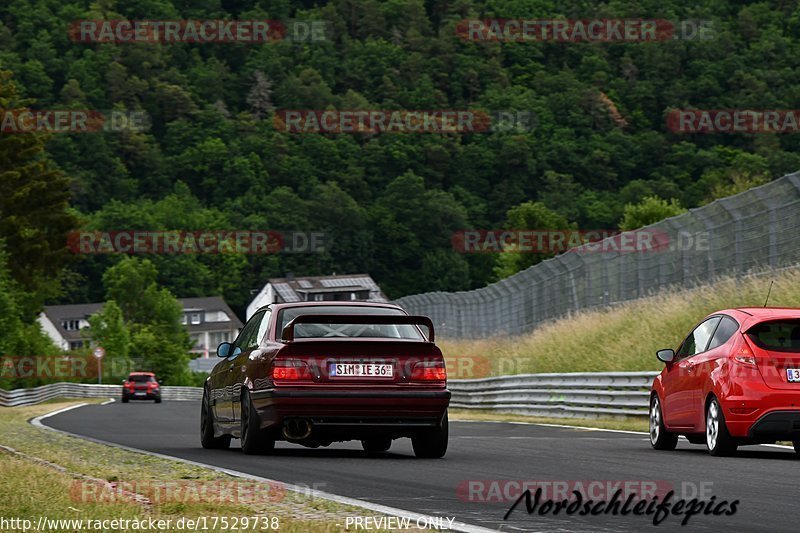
(763, 479)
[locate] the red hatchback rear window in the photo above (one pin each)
(777, 336)
(139, 378)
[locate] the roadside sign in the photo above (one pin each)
(99, 352)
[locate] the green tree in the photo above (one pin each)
(409, 223)
(34, 208)
(601, 138)
(159, 341)
(649, 211)
(260, 96)
(107, 329)
(737, 182)
(528, 216)
(19, 336)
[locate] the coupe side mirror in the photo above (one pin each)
(224, 349)
(666, 355)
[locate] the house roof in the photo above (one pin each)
(210, 304)
(71, 312)
(294, 289)
(59, 313)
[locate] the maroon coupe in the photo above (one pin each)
(314, 373)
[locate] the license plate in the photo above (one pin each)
(361, 370)
(140, 393)
(793, 374)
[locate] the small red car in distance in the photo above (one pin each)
(314, 373)
(734, 380)
(141, 386)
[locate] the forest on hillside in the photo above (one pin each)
(213, 157)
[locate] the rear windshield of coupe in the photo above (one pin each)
(777, 336)
(386, 331)
(139, 378)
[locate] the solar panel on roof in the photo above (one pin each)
(367, 282)
(286, 292)
(304, 284)
(347, 282)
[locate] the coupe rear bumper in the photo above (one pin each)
(353, 411)
(339, 394)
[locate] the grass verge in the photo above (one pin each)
(621, 338)
(63, 478)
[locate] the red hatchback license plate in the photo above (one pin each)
(793, 374)
(361, 370)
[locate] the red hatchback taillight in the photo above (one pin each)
(429, 371)
(291, 370)
(745, 355)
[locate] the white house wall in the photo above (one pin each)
(50, 329)
(264, 297)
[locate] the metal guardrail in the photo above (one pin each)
(572, 395)
(19, 397)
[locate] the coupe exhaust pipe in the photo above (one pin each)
(296, 429)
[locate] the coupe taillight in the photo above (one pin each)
(429, 371)
(291, 370)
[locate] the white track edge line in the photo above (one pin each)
(391, 511)
(782, 446)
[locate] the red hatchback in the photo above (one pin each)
(141, 386)
(314, 373)
(734, 380)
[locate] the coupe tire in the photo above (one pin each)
(255, 441)
(718, 440)
(158, 400)
(660, 438)
(796, 444)
(375, 446)
(432, 444)
(125, 400)
(207, 438)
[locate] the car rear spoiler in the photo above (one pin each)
(752, 322)
(287, 334)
